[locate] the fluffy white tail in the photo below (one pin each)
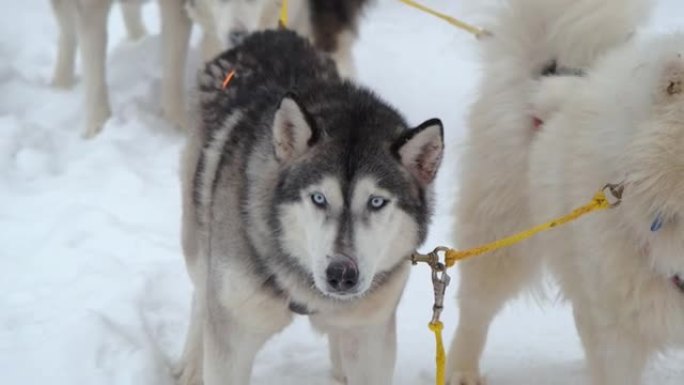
(573, 33)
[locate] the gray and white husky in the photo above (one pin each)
(302, 194)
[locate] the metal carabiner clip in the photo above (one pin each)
(440, 281)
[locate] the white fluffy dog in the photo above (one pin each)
(570, 101)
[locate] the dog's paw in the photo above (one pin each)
(63, 81)
(337, 377)
(96, 121)
(136, 34)
(187, 375)
(466, 378)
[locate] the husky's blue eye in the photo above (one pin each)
(319, 200)
(376, 203)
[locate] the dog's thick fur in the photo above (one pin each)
(623, 120)
(289, 172)
(624, 123)
(331, 25)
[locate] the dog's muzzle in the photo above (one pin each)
(342, 275)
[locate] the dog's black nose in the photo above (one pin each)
(342, 274)
(236, 37)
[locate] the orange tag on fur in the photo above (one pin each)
(228, 78)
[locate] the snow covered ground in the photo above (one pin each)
(93, 287)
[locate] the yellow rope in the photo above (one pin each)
(599, 202)
(436, 327)
(477, 31)
(282, 21)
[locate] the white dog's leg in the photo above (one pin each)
(367, 354)
(132, 15)
(486, 285)
(92, 33)
(175, 31)
(189, 370)
(65, 12)
(585, 329)
(211, 46)
(343, 55)
(622, 357)
(201, 13)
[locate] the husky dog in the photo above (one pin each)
(302, 194)
(331, 25)
(86, 21)
(554, 122)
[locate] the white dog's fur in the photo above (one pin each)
(624, 121)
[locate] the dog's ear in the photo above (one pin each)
(293, 129)
(420, 150)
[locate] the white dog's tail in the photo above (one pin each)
(537, 36)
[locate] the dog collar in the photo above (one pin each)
(678, 282)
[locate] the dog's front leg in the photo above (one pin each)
(343, 56)
(367, 353)
(65, 12)
(92, 33)
(336, 358)
(621, 356)
(232, 338)
(175, 31)
(132, 15)
(189, 369)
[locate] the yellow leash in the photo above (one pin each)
(599, 202)
(440, 279)
(440, 357)
(477, 31)
(282, 20)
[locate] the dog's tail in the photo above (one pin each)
(549, 36)
(215, 91)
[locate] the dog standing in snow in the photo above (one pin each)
(302, 193)
(571, 100)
